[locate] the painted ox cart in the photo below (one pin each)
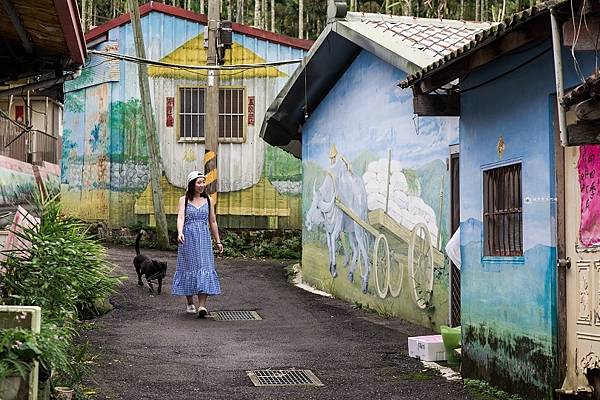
(411, 247)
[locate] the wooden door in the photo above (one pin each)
(582, 274)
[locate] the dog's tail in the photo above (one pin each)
(137, 242)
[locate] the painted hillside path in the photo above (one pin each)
(150, 349)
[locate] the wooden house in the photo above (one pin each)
(43, 46)
(376, 200)
(105, 175)
(528, 200)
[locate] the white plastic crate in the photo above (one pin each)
(427, 348)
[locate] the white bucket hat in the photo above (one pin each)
(194, 175)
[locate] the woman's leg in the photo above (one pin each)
(190, 300)
(202, 299)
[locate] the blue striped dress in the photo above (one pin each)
(195, 259)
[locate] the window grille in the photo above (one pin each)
(502, 211)
(192, 113)
(231, 113)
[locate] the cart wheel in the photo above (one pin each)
(420, 264)
(396, 274)
(381, 265)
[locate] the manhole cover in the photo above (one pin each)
(279, 377)
(235, 316)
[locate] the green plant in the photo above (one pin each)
(484, 391)
(18, 349)
(63, 271)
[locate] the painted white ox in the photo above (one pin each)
(350, 190)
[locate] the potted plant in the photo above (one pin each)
(18, 351)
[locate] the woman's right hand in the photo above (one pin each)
(180, 238)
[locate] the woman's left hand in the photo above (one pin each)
(220, 247)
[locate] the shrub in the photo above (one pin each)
(64, 272)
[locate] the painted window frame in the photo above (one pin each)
(178, 104)
(518, 257)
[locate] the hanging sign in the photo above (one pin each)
(170, 105)
(589, 183)
(251, 109)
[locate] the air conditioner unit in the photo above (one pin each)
(26, 317)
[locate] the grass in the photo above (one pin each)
(481, 390)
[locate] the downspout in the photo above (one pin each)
(558, 72)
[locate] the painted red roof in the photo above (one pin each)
(201, 18)
(68, 17)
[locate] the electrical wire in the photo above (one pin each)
(134, 59)
(507, 72)
(576, 32)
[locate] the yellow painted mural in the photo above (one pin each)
(261, 199)
(193, 52)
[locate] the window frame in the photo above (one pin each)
(184, 139)
(177, 125)
(495, 252)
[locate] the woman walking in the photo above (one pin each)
(195, 274)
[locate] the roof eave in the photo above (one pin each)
(283, 120)
(285, 116)
(68, 16)
(97, 32)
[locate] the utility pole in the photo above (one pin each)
(151, 136)
(211, 131)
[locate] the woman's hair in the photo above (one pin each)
(189, 194)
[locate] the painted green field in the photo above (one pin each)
(315, 271)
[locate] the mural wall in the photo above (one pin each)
(509, 303)
(105, 159)
(376, 196)
(20, 181)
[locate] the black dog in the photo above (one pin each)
(145, 266)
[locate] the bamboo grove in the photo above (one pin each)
(306, 18)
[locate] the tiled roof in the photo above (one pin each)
(434, 37)
(589, 88)
(482, 38)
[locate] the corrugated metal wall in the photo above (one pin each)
(249, 197)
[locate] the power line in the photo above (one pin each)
(507, 72)
(138, 60)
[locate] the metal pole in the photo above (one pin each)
(556, 49)
(211, 131)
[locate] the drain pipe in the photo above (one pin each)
(558, 71)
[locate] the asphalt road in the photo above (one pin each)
(150, 349)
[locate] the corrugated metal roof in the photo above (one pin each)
(483, 38)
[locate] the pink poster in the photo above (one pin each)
(589, 184)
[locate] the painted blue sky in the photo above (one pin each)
(367, 111)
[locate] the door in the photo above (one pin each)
(581, 268)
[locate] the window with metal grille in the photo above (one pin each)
(231, 114)
(192, 113)
(502, 211)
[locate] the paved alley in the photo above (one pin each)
(150, 349)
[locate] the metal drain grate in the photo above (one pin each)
(235, 316)
(279, 377)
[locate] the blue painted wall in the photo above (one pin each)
(364, 116)
(509, 305)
